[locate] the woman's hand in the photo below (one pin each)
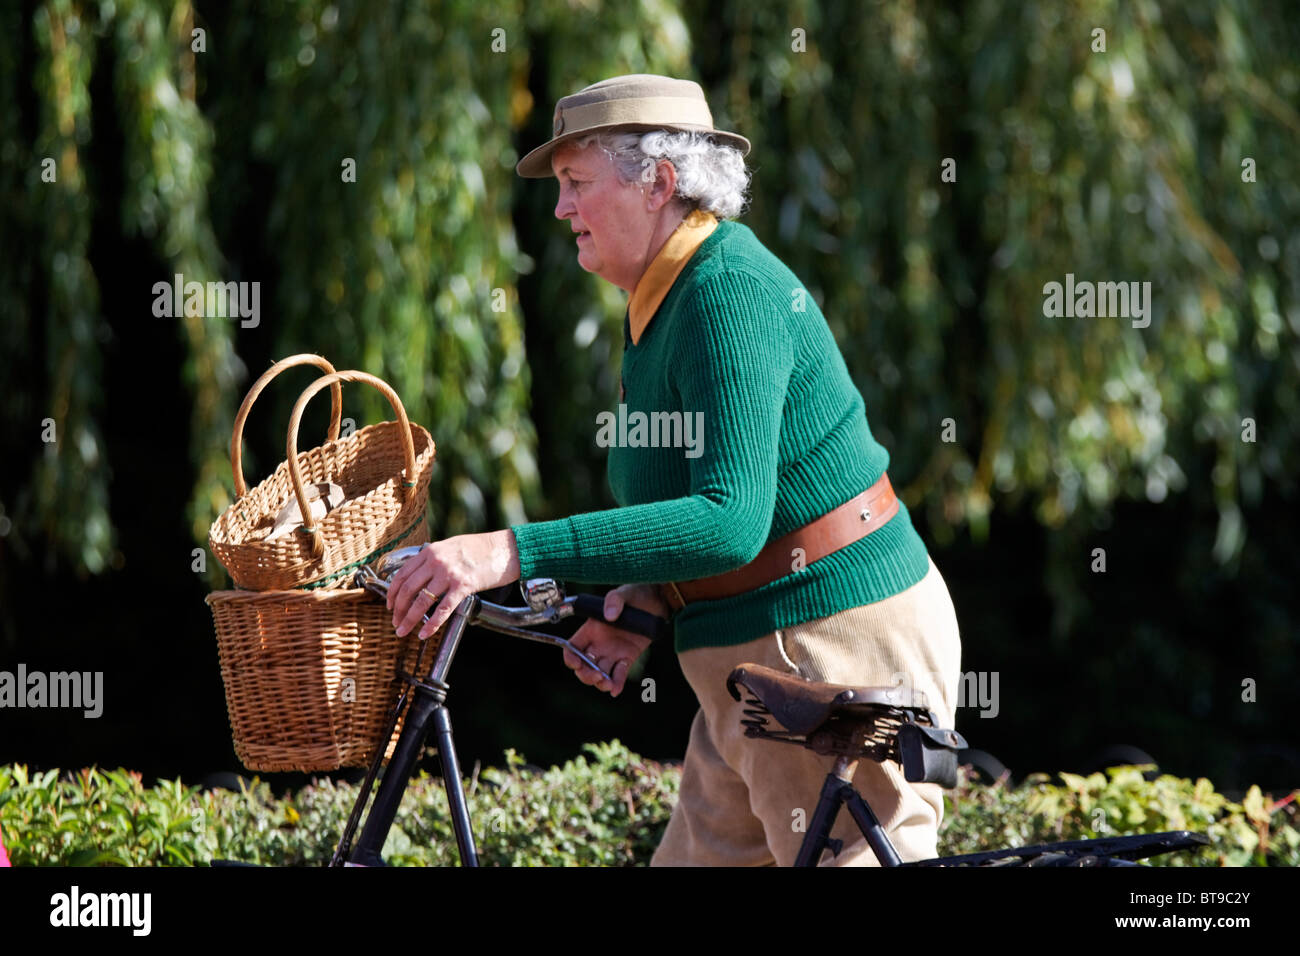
(444, 573)
(613, 649)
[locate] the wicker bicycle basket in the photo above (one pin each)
(311, 672)
(310, 676)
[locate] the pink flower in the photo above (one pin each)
(4, 857)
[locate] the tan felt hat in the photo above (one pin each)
(638, 102)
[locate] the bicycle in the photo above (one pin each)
(894, 723)
(851, 723)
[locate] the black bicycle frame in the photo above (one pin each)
(428, 711)
(837, 791)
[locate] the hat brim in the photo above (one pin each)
(537, 164)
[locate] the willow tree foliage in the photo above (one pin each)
(1106, 141)
(54, 325)
(927, 171)
(385, 130)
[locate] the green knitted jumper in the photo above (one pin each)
(784, 440)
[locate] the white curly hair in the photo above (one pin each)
(710, 176)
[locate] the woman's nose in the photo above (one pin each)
(563, 206)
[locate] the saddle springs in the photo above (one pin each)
(880, 723)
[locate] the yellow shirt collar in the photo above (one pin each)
(660, 275)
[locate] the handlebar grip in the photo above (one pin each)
(632, 619)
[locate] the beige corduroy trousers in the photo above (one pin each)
(747, 801)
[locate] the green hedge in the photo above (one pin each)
(604, 809)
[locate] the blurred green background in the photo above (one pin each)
(1162, 148)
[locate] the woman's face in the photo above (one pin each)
(614, 224)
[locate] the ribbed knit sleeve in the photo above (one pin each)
(732, 358)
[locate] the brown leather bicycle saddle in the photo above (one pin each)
(801, 706)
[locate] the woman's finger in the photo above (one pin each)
(419, 601)
(398, 581)
(400, 594)
(587, 675)
(399, 587)
(452, 595)
(422, 604)
(585, 672)
(613, 605)
(610, 665)
(580, 641)
(577, 665)
(444, 607)
(414, 574)
(619, 675)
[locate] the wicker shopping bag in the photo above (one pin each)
(383, 469)
(312, 671)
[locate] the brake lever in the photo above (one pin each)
(541, 637)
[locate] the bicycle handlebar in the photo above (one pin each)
(546, 605)
(631, 619)
(546, 602)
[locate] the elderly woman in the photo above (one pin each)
(773, 537)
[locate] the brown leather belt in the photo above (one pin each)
(838, 528)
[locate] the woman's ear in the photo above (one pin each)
(664, 186)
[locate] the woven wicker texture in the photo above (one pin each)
(383, 469)
(310, 676)
(310, 663)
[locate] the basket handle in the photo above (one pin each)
(237, 435)
(295, 471)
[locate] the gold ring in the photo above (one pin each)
(432, 597)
